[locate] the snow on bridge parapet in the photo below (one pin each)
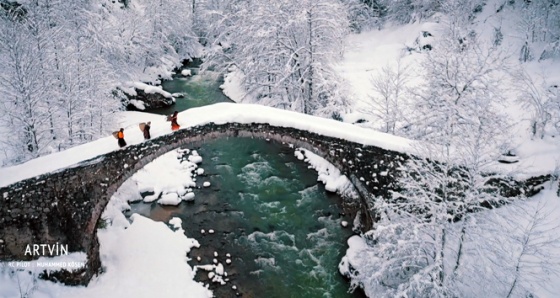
(220, 113)
(65, 203)
(250, 113)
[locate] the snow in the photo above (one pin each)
(356, 245)
(219, 113)
(140, 259)
(130, 191)
(220, 269)
(137, 104)
(232, 86)
(176, 222)
(171, 185)
(150, 254)
(186, 72)
(367, 53)
(149, 89)
(195, 159)
(189, 196)
(327, 173)
(170, 199)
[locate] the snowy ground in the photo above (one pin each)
(146, 259)
(174, 181)
(141, 259)
(369, 52)
(509, 226)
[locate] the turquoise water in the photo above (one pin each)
(268, 211)
(292, 224)
(198, 90)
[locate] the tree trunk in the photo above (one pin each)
(310, 73)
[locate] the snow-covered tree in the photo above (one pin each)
(285, 51)
(364, 15)
(424, 230)
(62, 61)
(463, 89)
(533, 256)
(390, 93)
(23, 108)
(538, 23)
(543, 99)
(405, 11)
(74, 71)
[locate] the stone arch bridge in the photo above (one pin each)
(64, 206)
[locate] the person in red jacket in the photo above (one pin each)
(173, 119)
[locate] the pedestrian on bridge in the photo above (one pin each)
(173, 119)
(120, 138)
(146, 130)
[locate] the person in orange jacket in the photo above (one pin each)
(120, 138)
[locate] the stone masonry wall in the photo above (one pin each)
(64, 207)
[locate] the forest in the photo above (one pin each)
(64, 66)
(63, 63)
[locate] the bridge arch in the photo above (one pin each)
(65, 206)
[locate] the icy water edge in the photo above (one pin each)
(267, 209)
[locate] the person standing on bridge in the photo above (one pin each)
(173, 119)
(120, 138)
(147, 131)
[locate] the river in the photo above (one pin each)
(281, 228)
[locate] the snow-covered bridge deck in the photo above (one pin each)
(219, 114)
(64, 203)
